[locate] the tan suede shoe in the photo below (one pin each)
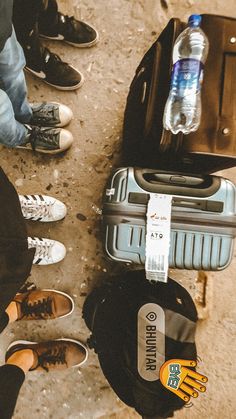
(52, 355)
(43, 304)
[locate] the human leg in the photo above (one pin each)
(12, 80)
(48, 15)
(35, 305)
(15, 111)
(23, 356)
(42, 139)
(25, 18)
(12, 132)
(14, 107)
(4, 320)
(40, 61)
(11, 380)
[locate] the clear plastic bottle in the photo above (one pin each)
(183, 106)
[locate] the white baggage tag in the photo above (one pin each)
(158, 237)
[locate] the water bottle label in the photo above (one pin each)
(186, 75)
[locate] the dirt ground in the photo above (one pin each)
(126, 28)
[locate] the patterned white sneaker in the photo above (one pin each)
(47, 251)
(42, 208)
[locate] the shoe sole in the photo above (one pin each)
(27, 342)
(65, 295)
(69, 88)
(85, 45)
(52, 152)
(43, 221)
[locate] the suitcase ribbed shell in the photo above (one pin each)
(204, 243)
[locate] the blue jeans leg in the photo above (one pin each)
(14, 107)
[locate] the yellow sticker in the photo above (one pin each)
(182, 381)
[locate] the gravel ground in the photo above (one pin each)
(127, 28)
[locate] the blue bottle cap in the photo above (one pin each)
(194, 21)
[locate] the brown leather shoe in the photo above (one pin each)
(43, 304)
(52, 355)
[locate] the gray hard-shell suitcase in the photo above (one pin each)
(203, 217)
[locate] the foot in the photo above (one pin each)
(71, 31)
(51, 355)
(50, 114)
(43, 304)
(23, 359)
(47, 251)
(42, 208)
(47, 140)
(52, 70)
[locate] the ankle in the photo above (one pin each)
(23, 359)
(11, 311)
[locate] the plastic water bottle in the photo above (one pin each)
(183, 106)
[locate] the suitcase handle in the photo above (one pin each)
(176, 183)
(201, 205)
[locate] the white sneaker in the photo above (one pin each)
(47, 251)
(42, 208)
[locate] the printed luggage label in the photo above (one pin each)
(187, 75)
(158, 237)
(151, 341)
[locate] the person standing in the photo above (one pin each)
(20, 301)
(41, 18)
(22, 125)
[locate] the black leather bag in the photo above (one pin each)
(213, 146)
(136, 326)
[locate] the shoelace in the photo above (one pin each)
(44, 112)
(44, 135)
(52, 356)
(71, 24)
(56, 62)
(39, 209)
(68, 23)
(48, 55)
(38, 308)
(43, 248)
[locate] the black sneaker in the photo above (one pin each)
(47, 140)
(53, 71)
(70, 30)
(50, 114)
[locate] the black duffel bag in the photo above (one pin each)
(136, 326)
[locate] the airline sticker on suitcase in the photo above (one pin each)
(158, 237)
